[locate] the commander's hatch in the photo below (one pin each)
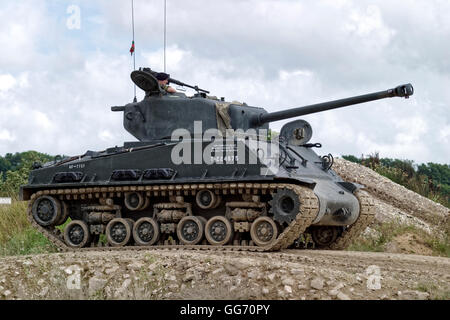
(146, 82)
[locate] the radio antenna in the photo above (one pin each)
(165, 33)
(133, 47)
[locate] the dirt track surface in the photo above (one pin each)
(180, 274)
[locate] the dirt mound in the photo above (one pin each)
(408, 243)
(394, 201)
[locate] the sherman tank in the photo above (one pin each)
(203, 173)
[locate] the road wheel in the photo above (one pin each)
(190, 230)
(324, 236)
(77, 235)
(118, 232)
(46, 211)
(146, 232)
(263, 231)
(218, 231)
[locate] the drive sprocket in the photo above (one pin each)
(285, 206)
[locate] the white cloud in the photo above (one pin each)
(369, 23)
(24, 23)
(444, 135)
(7, 82)
(105, 135)
(5, 135)
(42, 121)
(174, 56)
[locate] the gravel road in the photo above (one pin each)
(197, 275)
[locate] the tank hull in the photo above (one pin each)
(99, 188)
(98, 169)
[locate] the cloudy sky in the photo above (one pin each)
(58, 82)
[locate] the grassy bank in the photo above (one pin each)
(17, 236)
(396, 237)
(431, 180)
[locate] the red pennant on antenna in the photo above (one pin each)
(132, 48)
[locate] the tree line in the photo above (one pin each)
(15, 169)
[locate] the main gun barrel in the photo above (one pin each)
(405, 91)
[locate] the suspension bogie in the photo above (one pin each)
(199, 215)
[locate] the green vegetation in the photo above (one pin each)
(386, 232)
(432, 289)
(272, 134)
(27, 242)
(431, 180)
(15, 168)
(17, 237)
(13, 220)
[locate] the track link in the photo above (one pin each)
(309, 208)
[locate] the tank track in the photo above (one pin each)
(366, 217)
(309, 208)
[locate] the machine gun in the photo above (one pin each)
(177, 82)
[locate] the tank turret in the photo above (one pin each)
(159, 114)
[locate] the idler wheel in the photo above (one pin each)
(134, 201)
(77, 235)
(323, 236)
(285, 206)
(190, 230)
(219, 231)
(263, 231)
(47, 211)
(146, 232)
(206, 199)
(118, 232)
